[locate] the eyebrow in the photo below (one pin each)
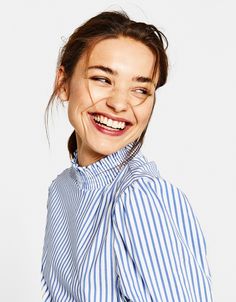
(140, 79)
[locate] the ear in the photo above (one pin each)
(61, 83)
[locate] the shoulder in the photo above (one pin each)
(60, 185)
(155, 191)
(148, 193)
(142, 178)
(62, 178)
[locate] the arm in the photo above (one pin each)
(155, 260)
(46, 297)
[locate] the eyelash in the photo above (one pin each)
(144, 91)
(107, 81)
(101, 79)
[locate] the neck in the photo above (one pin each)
(85, 155)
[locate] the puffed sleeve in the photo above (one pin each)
(159, 247)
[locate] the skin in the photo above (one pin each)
(117, 94)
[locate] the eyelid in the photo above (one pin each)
(99, 78)
(146, 91)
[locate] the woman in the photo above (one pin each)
(116, 230)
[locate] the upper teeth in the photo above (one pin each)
(109, 122)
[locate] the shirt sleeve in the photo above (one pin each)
(159, 247)
(45, 293)
(46, 297)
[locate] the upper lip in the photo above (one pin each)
(114, 118)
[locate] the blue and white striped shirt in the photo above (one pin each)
(121, 234)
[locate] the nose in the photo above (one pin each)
(118, 100)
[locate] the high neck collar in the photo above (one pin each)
(101, 172)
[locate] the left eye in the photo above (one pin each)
(142, 91)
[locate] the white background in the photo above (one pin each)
(191, 136)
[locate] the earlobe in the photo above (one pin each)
(61, 84)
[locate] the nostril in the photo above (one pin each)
(117, 105)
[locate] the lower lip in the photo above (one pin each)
(108, 131)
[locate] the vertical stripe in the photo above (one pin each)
(118, 233)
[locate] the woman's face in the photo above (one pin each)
(110, 97)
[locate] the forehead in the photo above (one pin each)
(125, 55)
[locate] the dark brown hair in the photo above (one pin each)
(110, 24)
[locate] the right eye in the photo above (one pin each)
(101, 79)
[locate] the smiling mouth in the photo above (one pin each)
(107, 125)
(109, 121)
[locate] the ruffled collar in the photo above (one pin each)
(101, 172)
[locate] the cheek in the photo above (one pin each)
(72, 113)
(143, 113)
(79, 100)
(98, 93)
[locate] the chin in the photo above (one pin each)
(107, 148)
